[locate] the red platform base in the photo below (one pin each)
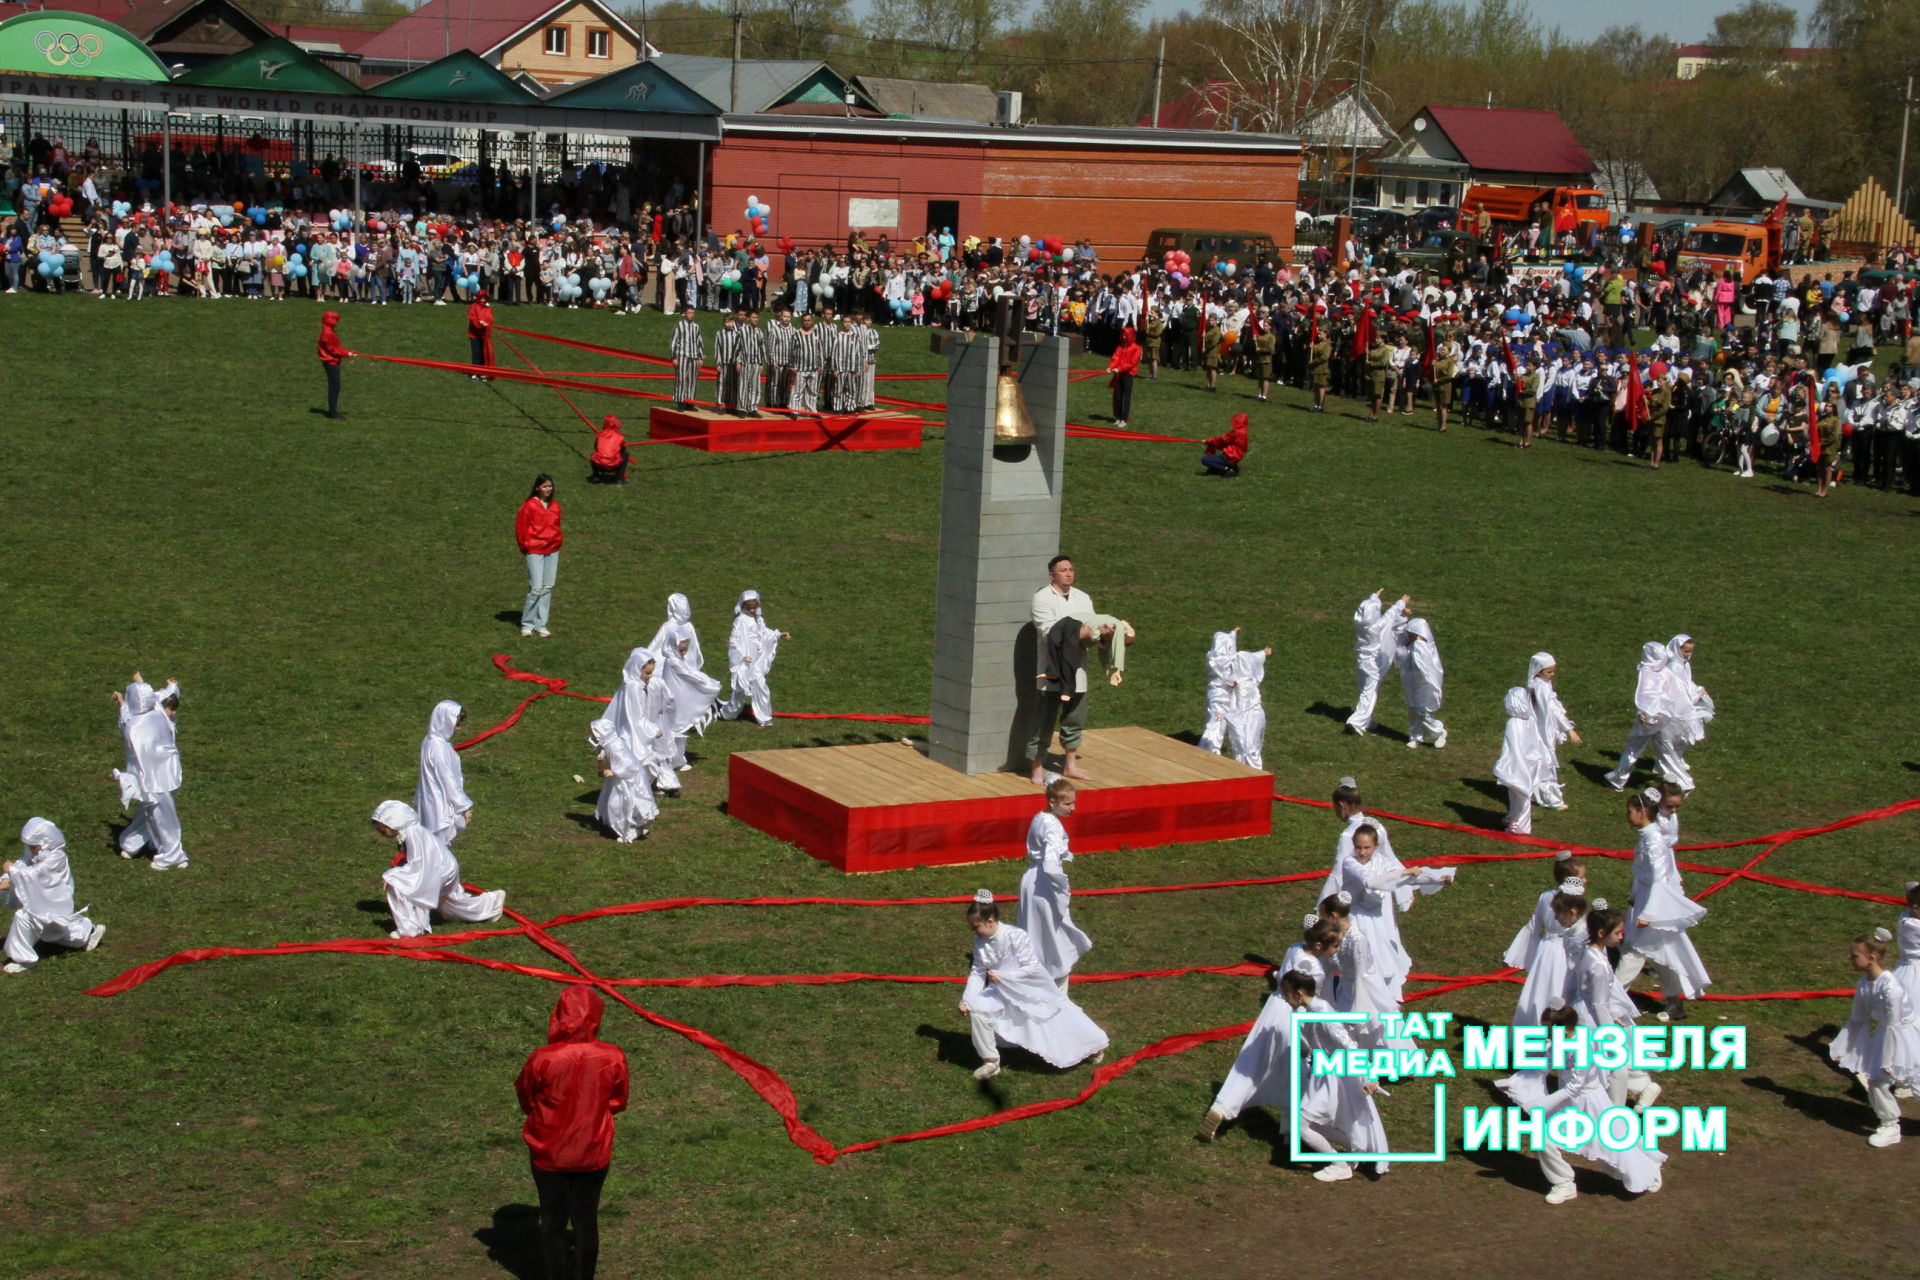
(883, 806)
(715, 432)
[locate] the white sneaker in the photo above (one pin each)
(987, 1070)
(93, 939)
(11, 967)
(526, 631)
(126, 853)
(1413, 744)
(686, 768)
(1210, 1126)
(1618, 784)
(1885, 1136)
(393, 933)
(542, 632)
(1334, 1173)
(1659, 1181)
(1562, 1192)
(1440, 742)
(1648, 1096)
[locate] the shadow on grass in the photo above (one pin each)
(1839, 1111)
(509, 616)
(1593, 771)
(955, 1049)
(1327, 710)
(513, 1241)
(375, 907)
(1473, 816)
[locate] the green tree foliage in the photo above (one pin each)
(1083, 62)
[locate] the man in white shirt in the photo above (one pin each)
(1057, 600)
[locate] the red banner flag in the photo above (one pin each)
(1636, 396)
(1362, 335)
(1813, 418)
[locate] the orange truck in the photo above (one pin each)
(1746, 248)
(1570, 207)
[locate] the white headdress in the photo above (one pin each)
(1311, 919)
(1574, 887)
(983, 896)
(1599, 904)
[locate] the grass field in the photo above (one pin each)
(175, 504)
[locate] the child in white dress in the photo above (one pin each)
(1522, 763)
(1333, 1107)
(1547, 951)
(1422, 684)
(626, 806)
(1585, 1089)
(1235, 711)
(1881, 1042)
(1010, 999)
(1046, 912)
(1599, 999)
(751, 648)
(1659, 915)
(1261, 1072)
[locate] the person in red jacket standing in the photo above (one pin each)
(570, 1090)
(1124, 366)
(480, 333)
(1223, 453)
(332, 352)
(537, 530)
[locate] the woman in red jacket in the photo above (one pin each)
(537, 530)
(570, 1090)
(1125, 367)
(1223, 453)
(480, 333)
(332, 352)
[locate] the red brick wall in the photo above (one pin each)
(1110, 195)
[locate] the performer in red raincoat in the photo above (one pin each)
(1125, 367)
(480, 332)
(1223, 453)
(570, 1090)
(610, 456)
(332, 352)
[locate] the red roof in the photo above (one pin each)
(478, 25)
(1512, 140)
(110, 10)
(1211, 106)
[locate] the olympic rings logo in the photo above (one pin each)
(64, 48)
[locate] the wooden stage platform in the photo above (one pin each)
(715, 432)
(882, 806)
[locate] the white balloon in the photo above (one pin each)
(753, 199)
(1769, 436)
(1026, 242)
(1066, 255)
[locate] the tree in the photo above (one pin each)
(1754, 38)
(806, 29)
(1074, 62)
(938, 39)
(1279, 58)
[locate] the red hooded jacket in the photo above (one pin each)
(572, 1087)
(331, 349)
(537, 527)
(608, 443)
(1126, 356)
(1234, 443)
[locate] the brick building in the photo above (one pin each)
(826, 176)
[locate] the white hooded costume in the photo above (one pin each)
(643, 717)
(1372, 888)
(1024, 1007)
(1689, 711)
(1554, 725)
(1373, 654)
(626, 806)
(428, 878)
(750, 652)
(1422, 683)
(440, 797)
(1657, 697)
(152, 775)
(1220, 679)
(40, 889)
(1046, 912)
(695, 695)
(1522, 761)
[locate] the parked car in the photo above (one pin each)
(1205, 247)
(1448, 252)
(1438, 217)
(435, 166)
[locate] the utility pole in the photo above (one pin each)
(1160, 64)
(733, 99)
(446, 25)
(1360, 90)
(1900, 181)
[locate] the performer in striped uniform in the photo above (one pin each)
(726, 364)
(687, 349)
(779, 337)
(808, 350)
(871, 360)
(752, 355)
(846, 357)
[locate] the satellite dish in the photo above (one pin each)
(1420, 125)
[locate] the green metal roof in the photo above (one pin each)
(53, 42)
(461, 76)
(276, 65)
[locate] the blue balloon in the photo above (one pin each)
(297, 269)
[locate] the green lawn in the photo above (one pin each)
(175, 504)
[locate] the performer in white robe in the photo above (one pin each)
(1881, 1041)
(1357, 987)
(750, 652)
(1658, 917)
(1373, 654)
(1585, 1089)
(1046, 914)
(1010, 999)
(1220, 676)
(643, 716)
(1546, 948)
(39, 887)
(1522, 762)
(428, 877)
(1372, 886)
(1689, 711)
(1346, 807)
(152, 774)
(1597, 997)
(1246, 712)
(626, 806)
(1649, 713)
(1422, 683)
(1555, 727)
(1906, 932)
(440, 797)
(695, 694)
(1333, 1108)
(1261, 1071)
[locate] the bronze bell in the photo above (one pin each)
(1011, 422)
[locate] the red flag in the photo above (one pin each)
(1778, 216)
(1426, 355)
(1636, 396)
(1506, 353)
(1362, 335)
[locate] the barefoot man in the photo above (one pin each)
(1054, 603)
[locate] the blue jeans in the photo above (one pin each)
(541, 572)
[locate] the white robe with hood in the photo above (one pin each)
(1422, 682)
(750, 652)
(428, 879)
(1026, 1007)
(41, 894)
(1660, 898)
(1554, 725)
(695, 694)
(643, 716)
(1220, 681)
(1522, 763)
(1373, 654)
(152, 775)
(440, 797)
(626, 806)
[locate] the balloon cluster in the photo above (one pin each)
(567, 288)
(257, 215)
(757, 215)
(600, 287)
(52, 263)
(297, 266)
(465, 282)
(1046, 249)
(730, 282)
(162, 262)
(1179, 265)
